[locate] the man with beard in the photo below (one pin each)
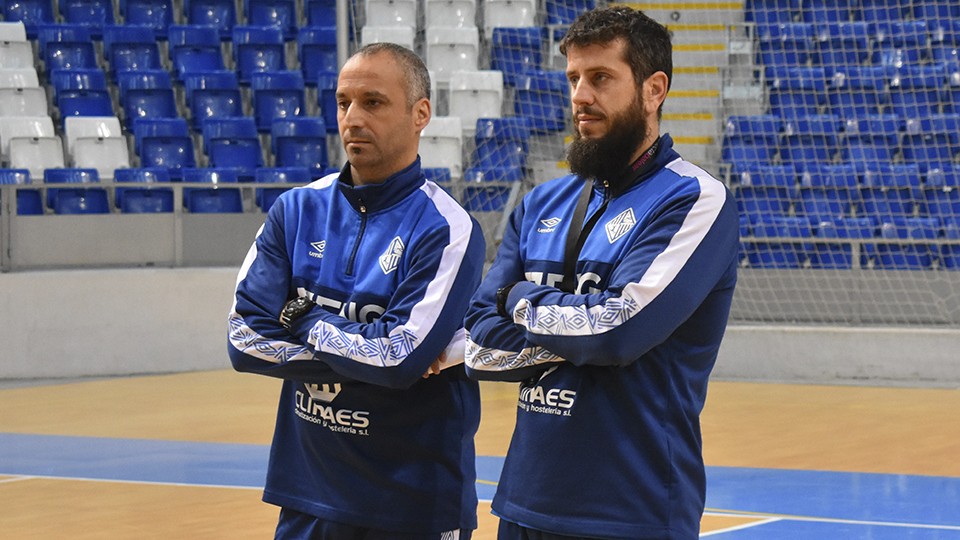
(607, 301)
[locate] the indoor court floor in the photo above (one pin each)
(184, 457)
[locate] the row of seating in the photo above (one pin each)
(844, 243)
(819, 11)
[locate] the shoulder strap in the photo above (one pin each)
(570, 252)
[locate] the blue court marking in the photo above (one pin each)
(787, 504)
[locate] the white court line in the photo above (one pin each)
(736, 527)
(16, 479)
(789, 517)
(144, 482)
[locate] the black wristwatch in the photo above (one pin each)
(502, 294)
(294, 309)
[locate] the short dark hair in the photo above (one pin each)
(648, 46)
(417, 76)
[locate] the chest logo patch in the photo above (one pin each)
(391, 257)
(317, 252)
(620, 225)
(549, 225)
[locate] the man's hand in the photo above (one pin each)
(434, 368)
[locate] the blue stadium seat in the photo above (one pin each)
(480, 198)
(299, 142)
(75, 199)
(68, 55)
(158, 127)
(882, 11)
(544, 98)
(915, 90)
(766, 190)
(828, 192)
(941, 192)
(32, 13)
(565, 11)
(277, 95)
(825, 11)
(501, 142)
(763, 12)
(900, 43)
(281, 14)
(157, 14)
(257, 49)
(215, 199)
(146, 94)
(174, 153)
(265, 197)
(843, 44)
(871, 139)
(317, 52)
(858, 91)
(52, 32)
(780, 242)
(438, 175)
(913, 255)
(28, 200)
(796, 91)
(839, 254)
(516, 52)
(891, 190)
(931, 141)
(94, 14)
(194, 49)
(143, 200)
(950, 253)
(213, 94)
(936, 10)
(810, 140)
(65, 81)
(233, 143)
(84, 103)
(327, 99)
(321, 12)
(785, 44)
(221, 14)
(750, 140)
(131, 48)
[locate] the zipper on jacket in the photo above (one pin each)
(356, 245)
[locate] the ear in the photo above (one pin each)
(422, 112)
(655, 91)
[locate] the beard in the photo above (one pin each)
(606, 157)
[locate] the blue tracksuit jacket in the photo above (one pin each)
(361, 438)
(607, 442)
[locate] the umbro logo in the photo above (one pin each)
(549, 225)
(317, 252)
(391, 257)
(620, 225)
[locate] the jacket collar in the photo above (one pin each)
(376, 197)
(664, 154)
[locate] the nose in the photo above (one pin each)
(581, 93)
(348, 116)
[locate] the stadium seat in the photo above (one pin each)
(32, 13)
(327, 99)
(23, 126)
(174, 153)
(216, 199)
(911, 255)
(317, 52)
(458, 13)
(13, 31)
(508, 13)
(221, 14)
(763, 12)
(401, 35)
(825, 11)
(780, 242)
(750, 140)
(441, 144)
(36, 154)
(501, 142)
(243, 127)
(29, 201)
(93, 14)
(277, 95)
(882, 11)
(931, 141)
(842, 45)
(30, 101)
(786, 44)
(941, 193)
(76, 127)
(915, 90)
(84, 103)
(299, 142)
(544, 98)
(900, 43)
(451, 49)
(391, 12)
(265, 197)
(212, 95)
(933, 10)
(194, 49)
(147, 199)
(55, 32)
(871, 139)
(515, 52)
(891, 190)
(105, 154)
(158, 127)
(321, 12)
(950, 253)
(474, 95)
(766, 190)
(157, 14)
(563, 12)
(16, 54)
(281, 14)
(828, 192)
(233, 143)
(75, 199)
(256, 49)
(839, 254)
(491, 198)
(89, 80)
(796, 92)
(146, 94)
(19, 78)
(858, 91)
(810, 140)
(68, 55)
